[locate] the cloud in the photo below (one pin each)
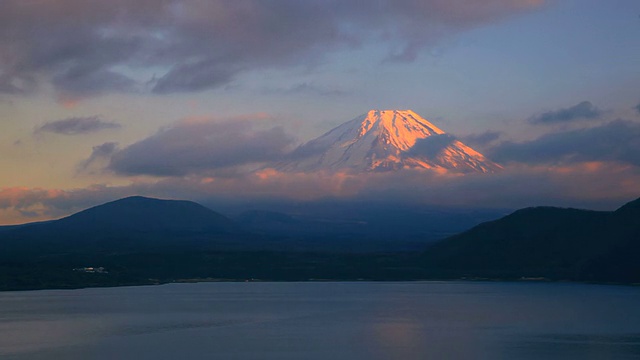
(100, 154)
(637, 107)
(431, 146)
(582, 111)
(76, 126)
(88, 48)
(76, 84)
(203, 145)
(618, 141)
(589, 184)
(305, 88)
(22, 204)
(195, 77)
(25, 202)
(483, 139)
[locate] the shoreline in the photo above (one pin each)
(224, 280)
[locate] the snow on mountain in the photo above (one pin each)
(384, 140)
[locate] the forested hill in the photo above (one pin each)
(547, 242)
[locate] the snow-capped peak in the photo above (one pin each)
(387, 140)
(401, 128)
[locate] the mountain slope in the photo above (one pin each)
(138, 213)
(134, 222)
(384, 140)
(546, 242)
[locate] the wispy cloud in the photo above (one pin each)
(483, 139)
(77, 125)
(306, 89)
(99, 154)
(582, 111)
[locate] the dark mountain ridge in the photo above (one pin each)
(554, 243)
(125, 224)
(140, 223)
(137, 213)
(413, 225)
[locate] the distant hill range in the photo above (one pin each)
(546, 242)
(147, 224)
(141, 240)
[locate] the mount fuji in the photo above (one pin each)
(387, 140)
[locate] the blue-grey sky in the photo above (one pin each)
(548, 88)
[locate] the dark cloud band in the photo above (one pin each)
(87, 48)
(582, 111)
(77, 125)
(482, 139)
(616, 141)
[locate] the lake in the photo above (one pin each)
(324, 320)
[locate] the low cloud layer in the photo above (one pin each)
(201, 146)
(76, 126)
(596, 185)
(20, 204)
(617, 141)
(87, 48)
(582, 111)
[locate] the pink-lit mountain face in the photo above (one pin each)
(385, 140)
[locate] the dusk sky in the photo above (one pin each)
(192, 99)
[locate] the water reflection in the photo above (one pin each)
(578, 346)
(399, 335)
(30, 336)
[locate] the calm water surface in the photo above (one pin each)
(363, 320)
